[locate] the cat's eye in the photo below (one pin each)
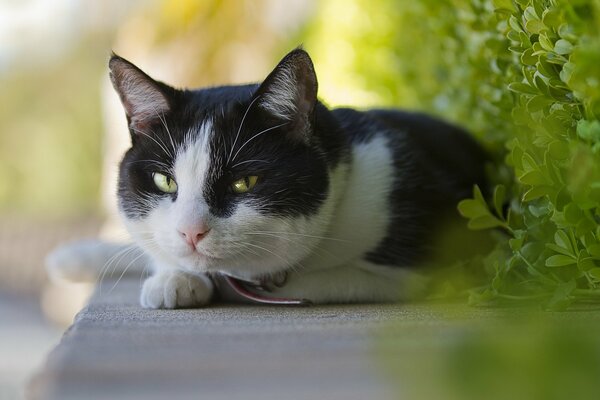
(244, 185)
(164, 182)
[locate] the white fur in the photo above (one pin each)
(175, 289)
(90, 260)
(361, 206)
(353, 282)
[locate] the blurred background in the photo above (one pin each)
(62, 129)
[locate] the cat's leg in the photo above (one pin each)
(358, 282)
(176, 289)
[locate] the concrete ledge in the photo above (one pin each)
(117, 350)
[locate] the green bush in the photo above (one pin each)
(550, 79)
(524, 77)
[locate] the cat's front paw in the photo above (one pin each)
(176, 289)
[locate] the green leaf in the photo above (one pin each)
(563, 46)
(561, 297)
(528, 58)
(588, 130)
(514, 24)
(516, 244)
(471, 208)
(566, 32)
(552, 18)
(538, 103)
(530, 14)
(559, 150)
(528, 162)
(560, 260)
(537, 192)
(546, 68)
(520, 87)
(534, 177)
(585, 264)
(535, 26)
(562, 240)
(546, 43)
(503, 5)
(484, 222)
(595, 273)
(541, 84)
(559, 249)
(573, 213)
(477, 195)
(566, 72)
(594, 250)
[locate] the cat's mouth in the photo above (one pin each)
(257, 291)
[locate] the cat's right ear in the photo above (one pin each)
(144, 99)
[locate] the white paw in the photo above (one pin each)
(176, 289)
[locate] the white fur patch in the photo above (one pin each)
(362, 209)
(174, 289)
(157, 233)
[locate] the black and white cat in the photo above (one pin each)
(260, 181)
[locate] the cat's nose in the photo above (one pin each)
(193, 234)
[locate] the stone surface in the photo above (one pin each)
(117, 350)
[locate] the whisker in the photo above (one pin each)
(161, 116)
(167, 152)
(248, 161)
(124, 271)
(298, 234)
(258, 134)
(240, 129)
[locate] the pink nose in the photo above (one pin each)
(194, 234)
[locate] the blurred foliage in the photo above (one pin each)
(51, 118)
(463, 356)
(50, 130)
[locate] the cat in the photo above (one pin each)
(264, 183)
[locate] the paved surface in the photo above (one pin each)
(25, 338)
(116, 350)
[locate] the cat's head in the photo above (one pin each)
(232, 179)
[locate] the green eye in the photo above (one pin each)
(164, 183)
(244, 185)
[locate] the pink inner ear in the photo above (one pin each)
(142, 98)
(291, 89)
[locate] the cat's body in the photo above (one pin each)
(258, 180)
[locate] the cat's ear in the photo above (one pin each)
(290, 91)
(144, 99)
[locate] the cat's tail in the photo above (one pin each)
(95, 260)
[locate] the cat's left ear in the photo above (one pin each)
(144, 99)
(290, 91)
